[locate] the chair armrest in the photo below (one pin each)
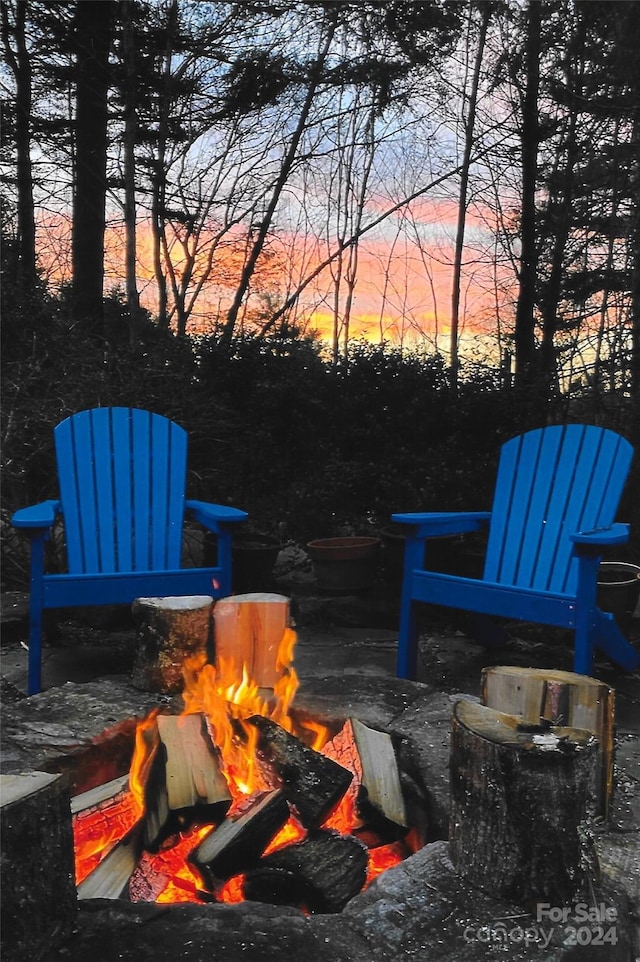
(599, 537)
(433, 524)
(40, 515)
(212, 516)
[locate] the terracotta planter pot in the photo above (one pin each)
(344, 564)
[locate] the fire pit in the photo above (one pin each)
(419, 908)
(234, 798)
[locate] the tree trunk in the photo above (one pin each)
(19, 61)
(469, 123)
(525, 319)
(129, 163)
(286, 166)
(93, 29)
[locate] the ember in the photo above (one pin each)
(232, 800)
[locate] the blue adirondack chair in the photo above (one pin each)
(556, 496)
(122, 478)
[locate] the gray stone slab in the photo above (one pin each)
(121, 932)
(424, 730)
(375, 701)
(423, 910)
(84, 730)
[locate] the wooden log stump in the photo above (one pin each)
(563, 698)
(170, 630)
(38, 904)
(518, 801)
(248, 632)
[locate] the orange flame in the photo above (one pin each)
(227, 696)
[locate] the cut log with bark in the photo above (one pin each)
(110, 879)
(312, 783)
(170, 631)
(248, 634)
(38, 904)
(237, 844)
(321, 873)
(562, 698)
(519, 797)
(185, 782)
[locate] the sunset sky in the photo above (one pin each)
(402, 292)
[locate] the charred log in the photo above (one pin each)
(321, 873)
(312, 783)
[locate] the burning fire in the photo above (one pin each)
(226, 696)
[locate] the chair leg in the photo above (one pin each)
(583, 653)
(612, 642)
(224, 556)
(407, 659)
(35, 615)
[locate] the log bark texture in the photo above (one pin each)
(38, 905)
(562, 698)
(248, 631)
(170, 630)
(312, 783)
(518, 801)
(321, 873)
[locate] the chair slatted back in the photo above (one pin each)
(122, 476)
(552, 482)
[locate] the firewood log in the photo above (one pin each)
(110, 879)
(321, 873)
(237, 844)
(312, 783)
(248, 630)
(380, 775)
(170, 630)
(185, 782)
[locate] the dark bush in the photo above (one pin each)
(307, 450)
